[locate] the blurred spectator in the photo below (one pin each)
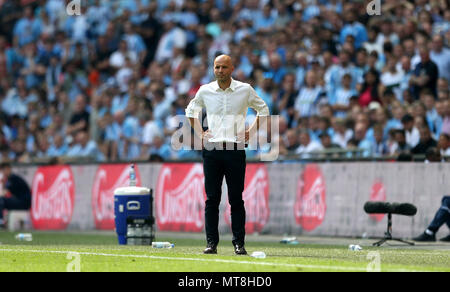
(341, 135)
(379, 147)
(440, 55)
(307, 145)
(425, 74)
(58, 147)
(149, 132)
(346, 67)
(369, 88)
(264, 90)
(392, 78)
(84, 147)
(118, 59)
(353, 28)
(412, 133)
(19, 193)
(26, 29)
(444, 145)
(426, 141)
(401, 146)
(79, 120)
(286, 98)
(361, 141)
(316, 62)
(160, 148)
(432, 155)
(308, 99)
(172, 38)
(15, 102)
(292, 141)
(326, 141)
(341, 98)
(446, 122)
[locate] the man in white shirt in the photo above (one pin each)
(412, 133)
(226, 102)
(307, 146)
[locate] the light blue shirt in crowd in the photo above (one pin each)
(90, 150)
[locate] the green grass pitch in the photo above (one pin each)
(86, 252)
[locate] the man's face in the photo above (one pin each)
(408, 125)
(304, 139)
(424, 134)
(443, 142)
(437, 43)
(378, 135)
(288, 83)
(326, 141)
(223, 68)
(400, 138)
(292, 138)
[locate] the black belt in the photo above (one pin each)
(226, 146)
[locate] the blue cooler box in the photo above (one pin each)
(130, 203)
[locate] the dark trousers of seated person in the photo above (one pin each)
(230, 164)
(442, 215)
(13, 203)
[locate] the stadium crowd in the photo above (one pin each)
(110, 82)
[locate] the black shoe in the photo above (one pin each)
(210, 249)
(240, 250)
(445, 239)
(425, 238)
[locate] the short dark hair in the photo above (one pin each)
(407, 118)
(446, 136)
(401, 132)
(4, 165)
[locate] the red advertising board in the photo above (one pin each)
(310, 206)
(180, 197)
(108, 178)
(256, 198)
(53, 198)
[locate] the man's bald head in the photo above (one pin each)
(223, 68)
(223, 58)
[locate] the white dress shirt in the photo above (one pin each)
(305, 150)
(226, 109)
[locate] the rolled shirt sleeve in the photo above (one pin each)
(257, 103)
(195, 105)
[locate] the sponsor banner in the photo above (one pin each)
(256, 198)
(378, 194)
(107, 179)
(304, 199)
(310, 206)
(53, 196)
(180, 197)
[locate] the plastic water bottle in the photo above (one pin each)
(354, 247)
(131, 240)
(138, 234)
(132, 176)
(146, 235)
(24, 237)
(259, 254)
(165, 244)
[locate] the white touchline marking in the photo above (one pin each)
(201, 260)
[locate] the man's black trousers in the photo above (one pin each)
(230, 164)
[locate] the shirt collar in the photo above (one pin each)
(232, 86)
